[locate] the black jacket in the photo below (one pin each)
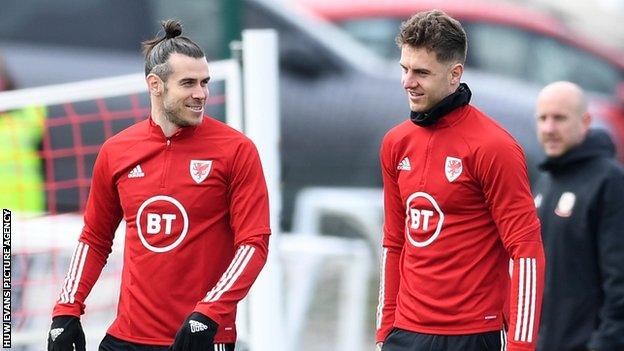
(580, 200)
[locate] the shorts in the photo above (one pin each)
(111, 343)
(403, 340)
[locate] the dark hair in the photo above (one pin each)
(435, 31)
(158, 50)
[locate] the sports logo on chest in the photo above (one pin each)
(423, 219)
(200, 169)
(162, 223)
(453, 168)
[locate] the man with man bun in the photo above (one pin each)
(192, 193)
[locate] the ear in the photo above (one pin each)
(155, 85)
(456, 73)
(586, 120)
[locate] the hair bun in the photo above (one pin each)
(172, 28)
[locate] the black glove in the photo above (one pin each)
(196, 334)
(66, 332)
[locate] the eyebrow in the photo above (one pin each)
(193, 80)
(417, 70)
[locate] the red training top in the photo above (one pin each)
(457, 207)
(197, 225)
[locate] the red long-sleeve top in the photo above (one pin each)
(457, 207)
(197, 227)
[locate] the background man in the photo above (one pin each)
(193, 195)
(580, 200)
(457, 207)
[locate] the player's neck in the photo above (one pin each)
(168, 128)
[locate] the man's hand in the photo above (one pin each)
(65, 333)
(196, 334)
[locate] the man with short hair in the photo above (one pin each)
(457, 207)
(193, 195)
(580, 201)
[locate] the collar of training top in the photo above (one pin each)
(461, 97)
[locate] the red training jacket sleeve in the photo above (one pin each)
(249, 199)
(392, 242)
(249, 219)
(234, 284)
(501, 167)
(102, 216)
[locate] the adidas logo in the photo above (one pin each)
(197, 326)
(54, 333)
(136, 172)
(404, 165)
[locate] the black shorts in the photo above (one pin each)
(403, 340)
(111, 343)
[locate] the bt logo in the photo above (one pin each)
(162, 223)
(420, 217)
(423, 220)
(154, 220)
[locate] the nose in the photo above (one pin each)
(409, 80)
(200, 92)
(546, 125)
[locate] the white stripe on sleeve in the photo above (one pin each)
(76, 264)
(83, 258)
(231, 275)
(533, 296)
(72, 264)
(227, 273)
(527, 291)
(382, 287)
(527, 301)
(520, 298)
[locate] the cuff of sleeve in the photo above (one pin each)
(512, 346)
(205, 310)
(75, 309)
(382, 334)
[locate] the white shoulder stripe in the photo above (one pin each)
(243, 255)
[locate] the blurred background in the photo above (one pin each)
(339, 92)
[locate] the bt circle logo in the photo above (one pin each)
(162, 223)
(423, 220)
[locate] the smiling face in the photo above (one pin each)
(425, 79)
(182, 97)
(562, 118)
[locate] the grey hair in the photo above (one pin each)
(158, 50)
